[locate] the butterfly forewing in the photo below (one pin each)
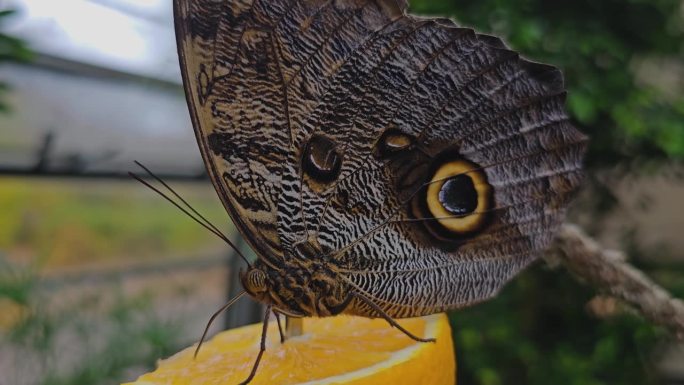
(233, 87)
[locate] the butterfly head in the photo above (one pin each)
(261, 283)
(254, 281)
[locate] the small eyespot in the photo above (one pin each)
(321, 159)
(392, 142)
(459, 197)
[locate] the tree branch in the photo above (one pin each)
(608, 271)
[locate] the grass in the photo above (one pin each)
(92, 334)
(76, 222)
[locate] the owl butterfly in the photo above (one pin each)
(380, 164)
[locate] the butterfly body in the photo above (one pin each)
(303, 288)
(375, 161)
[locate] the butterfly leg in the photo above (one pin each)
(262, 347)
(280, 327)
(389, 319)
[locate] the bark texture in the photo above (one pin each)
(608, 271)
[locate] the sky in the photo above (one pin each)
(134, 36)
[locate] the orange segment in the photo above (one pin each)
(338, 350)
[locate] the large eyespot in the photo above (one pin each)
(321, 159)
(458, 197)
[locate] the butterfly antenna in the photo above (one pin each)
(197, 217)
(153, 175)
(213, 317)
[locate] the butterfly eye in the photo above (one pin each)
(255, 281)
(321, 159)
(458, 197)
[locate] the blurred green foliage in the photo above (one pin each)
(539, 331)
(11, 49)
(624, 70)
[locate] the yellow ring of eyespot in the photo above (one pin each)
(467, 223)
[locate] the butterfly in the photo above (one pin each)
(379, 164)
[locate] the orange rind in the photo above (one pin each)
(337, 350)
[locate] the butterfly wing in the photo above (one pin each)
(234, 92)
(425, 162)
(238, 61)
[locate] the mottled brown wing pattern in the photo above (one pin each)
(253, 71)
(266, 79)
(234, 90)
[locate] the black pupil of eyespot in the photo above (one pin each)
(458, 195)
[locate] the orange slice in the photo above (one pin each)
(338, 350)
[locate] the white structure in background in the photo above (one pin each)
(105, 84)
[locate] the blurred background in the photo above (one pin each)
(99, 277)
